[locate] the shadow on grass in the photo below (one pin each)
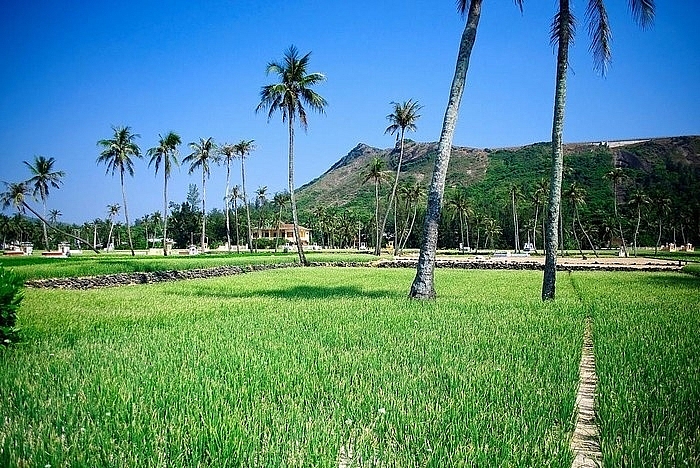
(688, 281)
(292, 292)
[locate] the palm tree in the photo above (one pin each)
(575, 194)
(228, 153)
(423, 284)
(460, 204)
(663, 208)
(516, 194)
(233, 195)
(54, 215)
(44, 176)
(539, 196)
(146, 221)
(638, 200)
(375, 172)
(562, 34)
(243, 149)
(202, 155)
(616, 176)
(112, 212)
(403, 118)
(117, 155)
(166, 153)
(492, 230)
(16, 195)
(412, 194)
(260, 201)
(280, 200)
(289, 96)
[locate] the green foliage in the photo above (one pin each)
(10, 298)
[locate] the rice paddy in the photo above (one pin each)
(335, 367)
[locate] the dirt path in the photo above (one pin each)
(585, 442)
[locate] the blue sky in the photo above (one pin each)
(72, 70)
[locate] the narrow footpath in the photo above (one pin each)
(585, 442)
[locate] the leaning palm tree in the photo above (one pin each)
(576, 196)
(375, 172)
(403, 118)
(112, 212)
(202, 155)
(16, 195)
(228, 153)
(423, 284)
(289, 96)
(166, 153)
(562, 34)
(638, 200)
(243, 149)
(44, 176)
(117, 154)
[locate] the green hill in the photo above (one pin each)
(662, 168)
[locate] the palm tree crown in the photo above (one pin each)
(44, 176)
(165, 153)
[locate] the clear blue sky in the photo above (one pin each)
(71, 70)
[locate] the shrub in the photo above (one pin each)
(10, 298)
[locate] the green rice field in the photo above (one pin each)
(335, 367)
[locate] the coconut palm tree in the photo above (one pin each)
(616, 177)
(243, 149)
(166, 153)
(423, 284)
(202, 155)
(403, 118)
(117, 154)
(44, 176)
(516, 193)
(228, 154)
(54, 215)
(15, 195)
(638, 199)
(233, 195)
(260, 202)
(280, 200)
(288, 96)
(539, 196)
(562, 34)
(575, 195)
(112, 212)
(411, 194)
(459, 203)
(663, 208)
(375, 172)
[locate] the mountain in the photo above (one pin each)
(663, 168)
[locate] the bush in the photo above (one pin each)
(10, 298)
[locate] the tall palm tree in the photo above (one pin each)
(375, 172)
(112, 212)
(243, 149)
(562, 34)
(288, 96)
(403, 118)
(539, 196)
(166, 153)
(15, 195)
(280, 200)
(460, 204)
(638, 200)
(516, 193)
(616, 176)
(412, 194)
(663, 208)
(117, 154)
(233, 195)
(202, 155)
(260, 202)
(423, 284)
(44, 176)
(228, 153)
(576, 194)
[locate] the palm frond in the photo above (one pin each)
(564, 23)
(643, 12)
(599, 33)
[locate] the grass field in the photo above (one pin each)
(37, 267)
(320, 366)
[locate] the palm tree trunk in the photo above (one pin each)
(279, 221)
(534, 229)
(461, 232)
(619, 221)
(658, 240)
(553, 208)
(204, 211)
(126, 215)
(392, 198)
(378, 240)
(46, 223)
(165, 214)
(46, 234)
(588, 238)
(235, 220)
(573, 229)
(515, 222)
(293, 198)
(228, 225)
(423, 284)
(247, 208)
(636, 230)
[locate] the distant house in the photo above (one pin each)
(285, 232)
